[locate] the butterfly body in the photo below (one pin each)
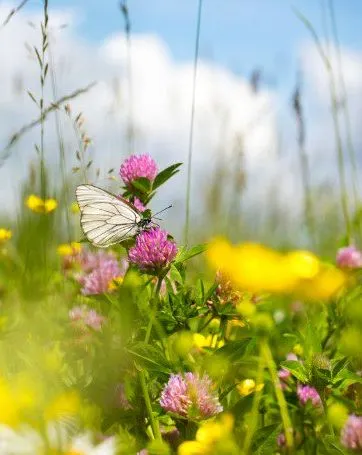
(107, 219)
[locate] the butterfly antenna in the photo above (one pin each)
(161, 212)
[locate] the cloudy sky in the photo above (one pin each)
(237, 36)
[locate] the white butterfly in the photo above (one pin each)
(106, 219)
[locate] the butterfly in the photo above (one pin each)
(106, 219)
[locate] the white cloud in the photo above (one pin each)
(226, 109)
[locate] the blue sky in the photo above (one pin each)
(239, 34)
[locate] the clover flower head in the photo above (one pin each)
(139, 205)
(84, 317)
(307, 393)
(153, 251)
(190, 396)
(137, 166)
(351, 434)
(98, 281)
(349, 257)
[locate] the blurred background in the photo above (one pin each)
(276, 149)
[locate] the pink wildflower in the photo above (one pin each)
(351, 435)
(281, 440)
(121, 398)
(84, 317)
(99, 280)
(190, 396)
(153, 251)
(307, 393)
(139, 205)
(349, 257)
(137, 166)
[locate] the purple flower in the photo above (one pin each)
(307, 393)
(283, 374)
(351, 434)
(281, 440)
(153, 251)
(121, 398)
(349, 257)
(84, 317)
(292, 356)
(99, 280)
(139, 205)
(137, 166)
(191, 396)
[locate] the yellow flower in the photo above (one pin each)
(9, 411)
(325, 285)
(115, 283)
(5, 235)
(74, 208)
(38, 205)
(248, 386)
(16, 396)
(257, 269)
(68, 249)
(50, 205)
(65, 404)
(210, 437)
(303, 263)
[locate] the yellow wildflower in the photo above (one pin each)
(248, 386)
(74, 208)
(38, 205)
(68, 249)
(5, 235)
(211, 438)
(115, 283)
(65, 404)
(256, 268)
(9, 411)
(50, 205)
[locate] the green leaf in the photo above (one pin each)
(150, 357)
(235, 350)
(175, 275)
(332, 445)
(296, 368)
(339, 365)
(265, 439)
(185, 255)
(165, 175)
(142, 184)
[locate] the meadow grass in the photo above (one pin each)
(151, 346)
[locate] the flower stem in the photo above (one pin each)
(255, 407)
(154, 309)
(154, 422)
(269, 361)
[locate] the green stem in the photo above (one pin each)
(154, 422)
(253, 423)
(287, 423)
(154, 309)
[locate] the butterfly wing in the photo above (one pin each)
(105, 219)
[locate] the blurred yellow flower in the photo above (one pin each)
(68, 249)
(210, 438)
(9, 411)
(248, 386)
(74, 208)
(257, 269)
(38, 205)
(65, 404)
(115, 283)
(16, 396)
(5, 235)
